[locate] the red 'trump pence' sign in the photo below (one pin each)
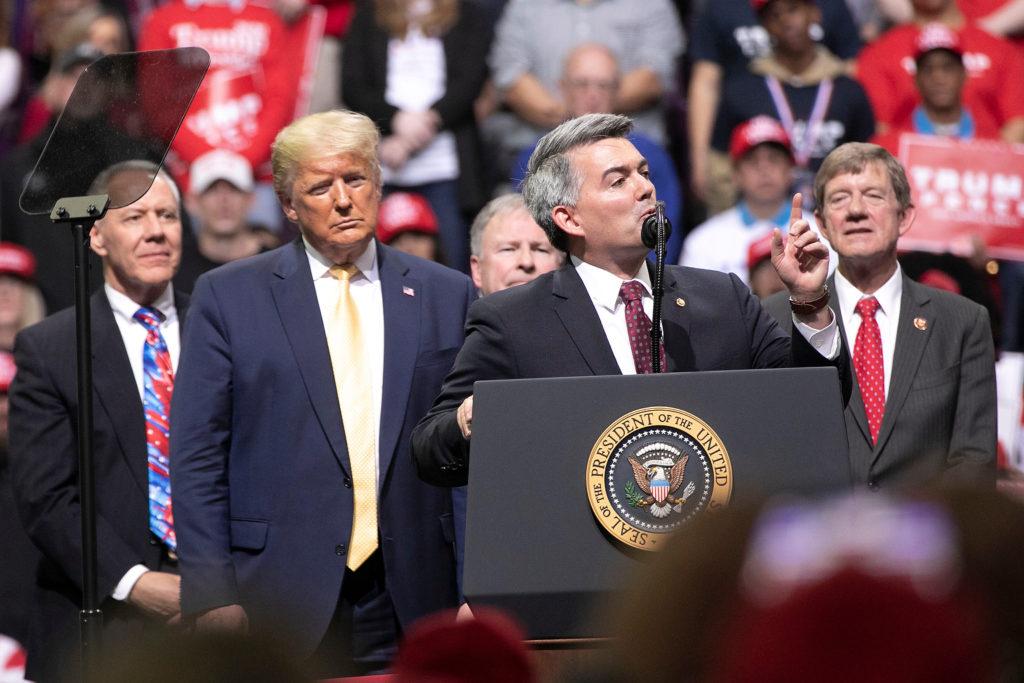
(964, 188)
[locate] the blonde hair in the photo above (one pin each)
(324, 134)
(394, 17)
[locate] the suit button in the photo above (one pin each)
(153, 541)
(873, 485)
(339, 549)
(347, 482)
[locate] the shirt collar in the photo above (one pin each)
(320, 265)
(604, 287)
(123, 306)
(888, 295)
(779, 220)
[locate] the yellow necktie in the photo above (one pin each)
(358, 415)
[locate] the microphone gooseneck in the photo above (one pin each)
(654, 233)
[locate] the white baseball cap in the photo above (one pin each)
(220, 164)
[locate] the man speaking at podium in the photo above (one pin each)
(590, 189)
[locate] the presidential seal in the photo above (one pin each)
(653, 470)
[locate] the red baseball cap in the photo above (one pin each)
(759, 250)
(404, 212)
(758, 131)
(17, 260)
(936, 36)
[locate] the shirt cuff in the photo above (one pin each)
(127, 582)
(825, 341)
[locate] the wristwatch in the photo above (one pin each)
(812, 306)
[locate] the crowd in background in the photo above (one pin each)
(735, 104)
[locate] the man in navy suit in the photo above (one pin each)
(297, 505)
(137, 581)
(589, 188)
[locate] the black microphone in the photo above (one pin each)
(649, 230)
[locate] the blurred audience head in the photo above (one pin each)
(220, 192)
(764, 280)
(441, 649)
(859, 587)
(762, 160)
(21, 303)
(60, 81)
(590, 80)
(507, 246)
(101, 27)
(940, 75)
(406, 222)
(789, 24)
(553, 178)
(139, 242)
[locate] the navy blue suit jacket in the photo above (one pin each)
(260, 470)
(549, 328)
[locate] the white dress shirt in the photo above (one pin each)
(603, 288)
(366, 293)
(134, 336)
(887, 316)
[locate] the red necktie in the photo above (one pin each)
(639, 327)
(868, 365)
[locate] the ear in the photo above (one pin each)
(288, 207)
(822, 226)
(96, 241)
(191, 204)
(567, 219)
(907, 220)
(474, 271)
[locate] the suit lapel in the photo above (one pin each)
(401, 344)
(115, 386)
(910, 345)
(575, 309)
(295, 298)
(675, 323)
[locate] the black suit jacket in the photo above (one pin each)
(549, 328)
(44, 471)
(940, 411)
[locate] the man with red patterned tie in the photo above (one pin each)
(135, 328)
(923, 407)
(589, 188)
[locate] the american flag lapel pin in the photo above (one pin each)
(408, 291)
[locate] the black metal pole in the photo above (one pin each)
(90, 617)
(658, 290)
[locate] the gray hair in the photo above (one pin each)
(852, 157)
(552, 180)
(101, 183)
(499, 206)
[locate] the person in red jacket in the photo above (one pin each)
(248, 94)
(940, 78)
(995, 70)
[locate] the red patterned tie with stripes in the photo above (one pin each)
(158, 383)
(639, 327)
(869, 366)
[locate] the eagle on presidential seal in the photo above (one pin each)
(659, 470)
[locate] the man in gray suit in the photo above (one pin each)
(923, 407)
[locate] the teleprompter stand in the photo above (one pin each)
(124, 107)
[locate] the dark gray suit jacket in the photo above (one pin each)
(940, 412)
(549, 328)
